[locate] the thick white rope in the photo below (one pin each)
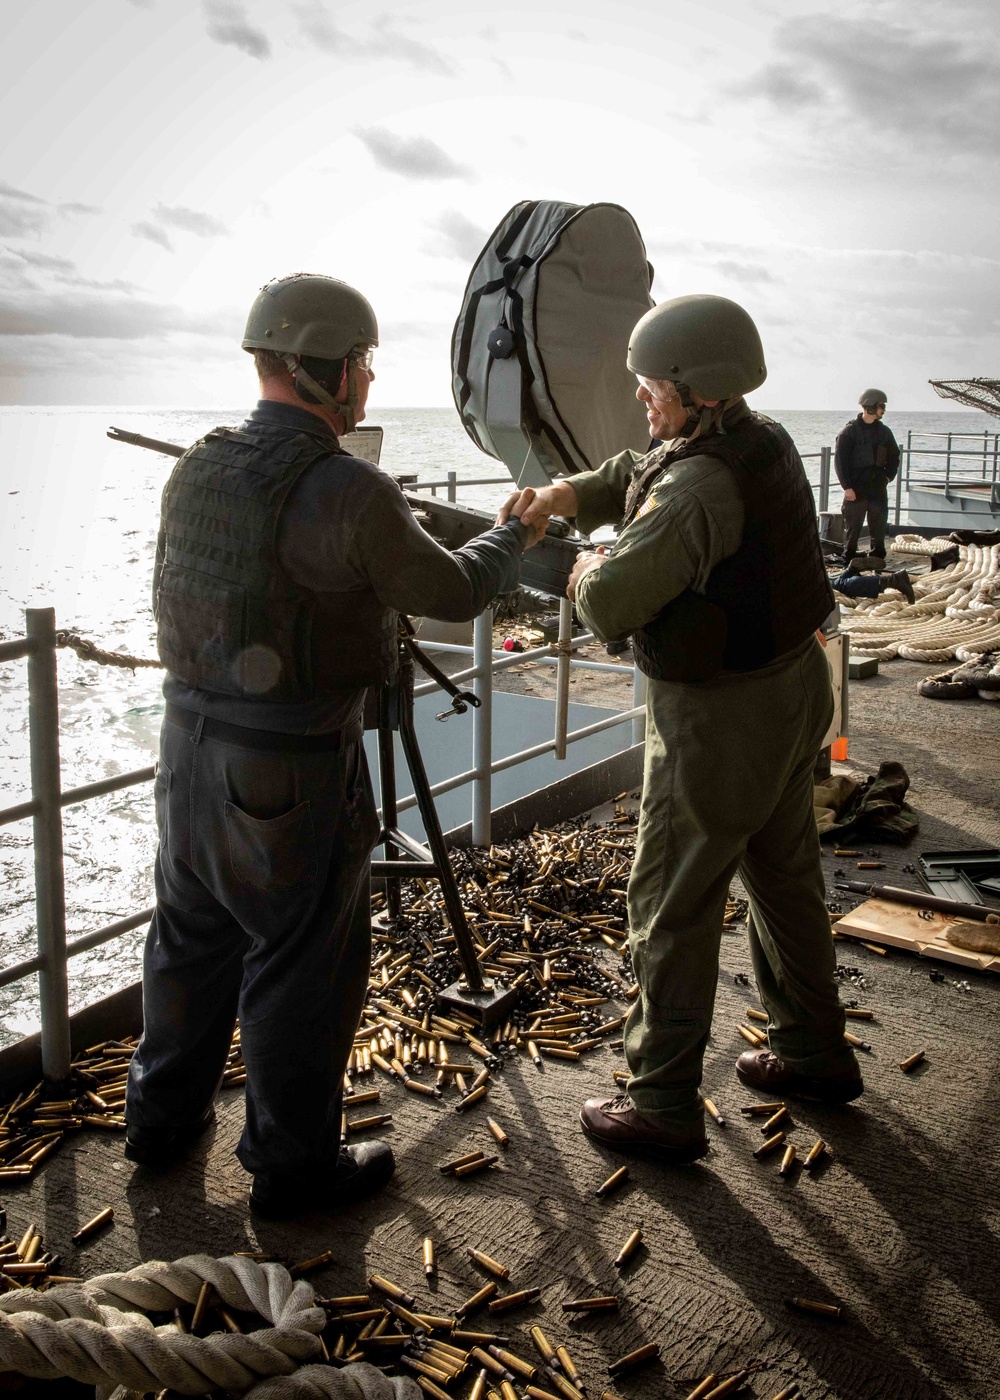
(956, 610)
(92, 1333)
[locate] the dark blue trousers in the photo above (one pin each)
(262, 912)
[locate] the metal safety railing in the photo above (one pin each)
(48, 797)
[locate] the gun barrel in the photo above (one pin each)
(171, 449)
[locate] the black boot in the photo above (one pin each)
(901, 580)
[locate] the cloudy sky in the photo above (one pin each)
(833, 166)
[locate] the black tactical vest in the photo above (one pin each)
(229, 620)
(765, 599)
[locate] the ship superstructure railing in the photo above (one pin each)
(39, 646)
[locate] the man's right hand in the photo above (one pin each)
(849, 495)
(558, 499)
(516, 506)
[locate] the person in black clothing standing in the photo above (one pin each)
(282, 564)
(866, 460)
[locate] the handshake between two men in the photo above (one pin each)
(534, 507)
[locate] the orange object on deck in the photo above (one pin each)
(838, 749)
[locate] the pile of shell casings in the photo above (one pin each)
(538, 910)
(35, 1123)
(387, 1327)
(27, 1263)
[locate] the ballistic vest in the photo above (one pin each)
(765, 599)
(229, 619)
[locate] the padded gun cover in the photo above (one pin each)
(538, 351)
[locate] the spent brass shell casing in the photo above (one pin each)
(374, 1120)
(615, 1180)
(424, 1368)
(365, 1096)
(533, 1052)
(809, 1305)
(347, 1300)
(752, 1014)
(476, 1339)
(480, 1385)
(490, 1265)
(732, 1383)
(609, 1395)
(515, 1300)
(201, 1305)
(814, 1154)
(104, 1217)
(858, 1013)
(568, 1365)
(307, 1265)
(507, 1390)
(910, 1064)
(713, 1111)
(431, 1388)
(628, 1248)
(703, 1387)
(497, 1132)
(771, 1145)
(477, 1300)
(535, 1392)
(639, 1357)
(391, 1290)
(856, 1041)
(417, 1088)
(490, 1362)
(775, 1120)
(514, 1363)
(471, 1168)
(787, 1161)
(461, 1161)
(751, 1037)
(365, 1315)
(607, 1303)
(788, 1392)
(543, 1346)
(483, 1077)
(760, 1110)
(430, 1263)
(435, 1323)
(473, 1096)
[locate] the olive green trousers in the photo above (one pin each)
(728, 788)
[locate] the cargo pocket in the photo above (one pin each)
(275, 853)
(162, 780)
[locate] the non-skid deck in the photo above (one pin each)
(902, 1227)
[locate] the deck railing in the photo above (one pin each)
(48, 797)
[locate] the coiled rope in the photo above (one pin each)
(96, 1333)
(956, 612)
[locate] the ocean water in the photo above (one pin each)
(78, 516)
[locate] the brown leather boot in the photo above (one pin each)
(617, 1123)
(764, 1071)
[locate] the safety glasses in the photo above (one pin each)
(363, 358)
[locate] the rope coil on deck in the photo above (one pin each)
(956, 612)
(92, 1332)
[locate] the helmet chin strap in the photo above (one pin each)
(347, 410)
(705, 420)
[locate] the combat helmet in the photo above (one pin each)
(871, 398)
(707, 343)
(318, 318)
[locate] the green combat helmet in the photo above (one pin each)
(317, 317)
(707, 343)
(871, 398)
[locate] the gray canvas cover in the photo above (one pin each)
(539, 347)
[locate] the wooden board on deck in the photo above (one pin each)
(902, 926)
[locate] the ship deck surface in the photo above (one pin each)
(902, 1227)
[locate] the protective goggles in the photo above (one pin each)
(663, 390)
(362, 358)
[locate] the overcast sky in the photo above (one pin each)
(834, 167)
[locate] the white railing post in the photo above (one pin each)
(562, 674)
(482, 729)
(46, 791)
(638, 698)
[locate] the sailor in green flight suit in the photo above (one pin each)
(718, 578)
